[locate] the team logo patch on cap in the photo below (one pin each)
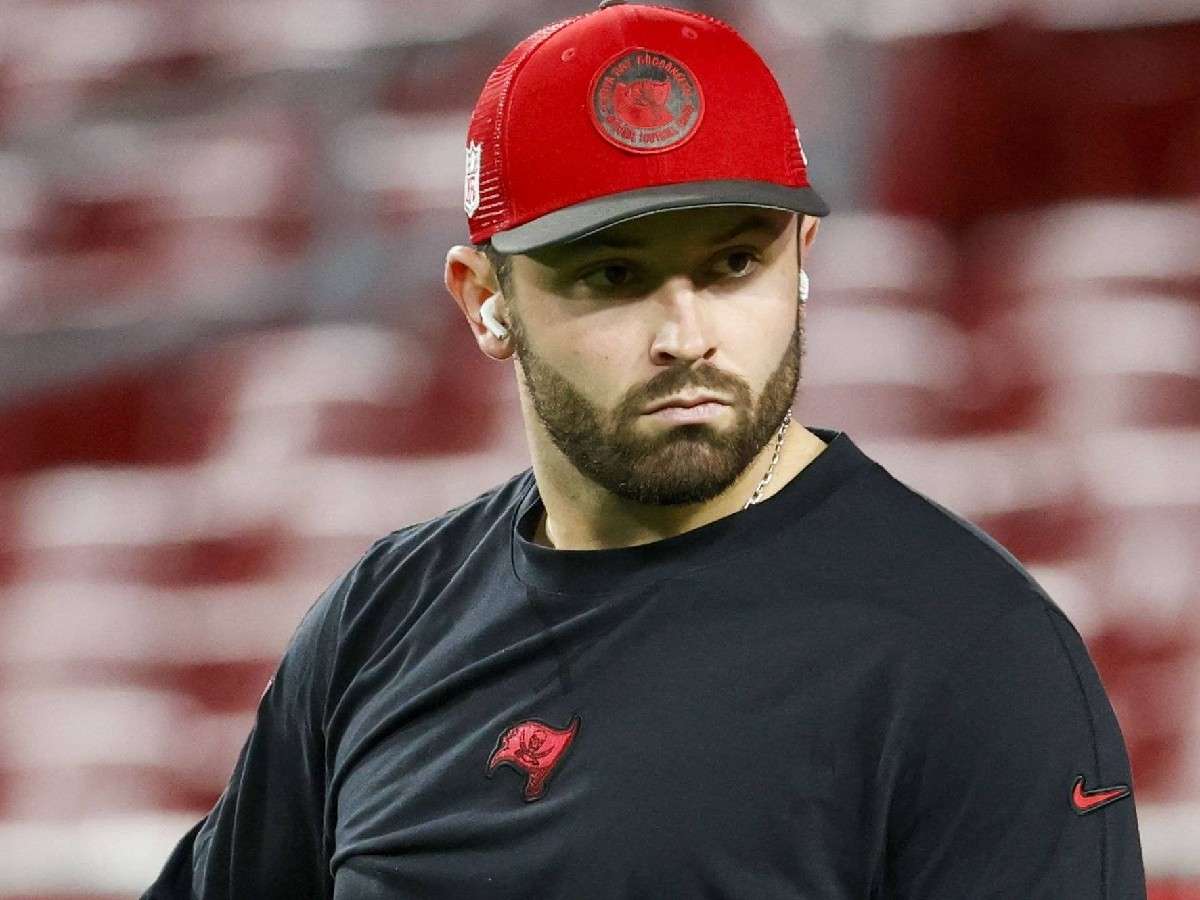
(645, 101)
(471, 182)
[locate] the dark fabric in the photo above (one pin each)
(582, 219)
(845, 691)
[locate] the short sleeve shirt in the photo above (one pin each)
(844, 691)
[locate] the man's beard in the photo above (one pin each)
(681, 463)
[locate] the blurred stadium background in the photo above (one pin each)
(227, 363)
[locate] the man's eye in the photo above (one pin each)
(613, 275)
(740, 263)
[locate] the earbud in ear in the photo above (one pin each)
(487, 312)
(803, 286)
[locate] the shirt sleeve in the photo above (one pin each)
(985, 803)
(265, 836)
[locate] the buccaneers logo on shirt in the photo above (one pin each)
(534, 748)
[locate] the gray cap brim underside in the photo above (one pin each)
(583, 219)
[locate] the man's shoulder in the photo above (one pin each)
(405, 570)
(965, 616)
(445, 539)
(939, 571)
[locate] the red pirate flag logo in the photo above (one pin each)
(534, 748)
(646, 102)
(643, 103)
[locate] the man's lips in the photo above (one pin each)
(685, 402)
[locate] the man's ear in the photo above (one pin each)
(808, 232)
(471, 281)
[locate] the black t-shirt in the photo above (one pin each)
(844, 691)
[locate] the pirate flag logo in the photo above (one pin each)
(643, 103)
(534, 748)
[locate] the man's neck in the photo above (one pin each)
(563, 531)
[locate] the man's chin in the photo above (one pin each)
(676, 493)
(682, 481)
(683, 451)
(683, 437)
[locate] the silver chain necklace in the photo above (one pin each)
(757, 495)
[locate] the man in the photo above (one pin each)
(697, 650)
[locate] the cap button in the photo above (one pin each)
(605, 4)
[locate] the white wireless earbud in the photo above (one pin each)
(487, 312)
(803, 285)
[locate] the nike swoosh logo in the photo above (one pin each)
(1089, 801)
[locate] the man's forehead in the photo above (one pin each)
(705, 225)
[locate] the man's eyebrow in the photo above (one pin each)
(757, 222)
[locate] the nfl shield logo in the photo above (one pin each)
(471, 185)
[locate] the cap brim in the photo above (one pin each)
(582, 219)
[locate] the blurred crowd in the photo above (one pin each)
(228, 364)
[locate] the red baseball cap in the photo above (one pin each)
(625, 111)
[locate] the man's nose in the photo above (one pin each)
(683, 332)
